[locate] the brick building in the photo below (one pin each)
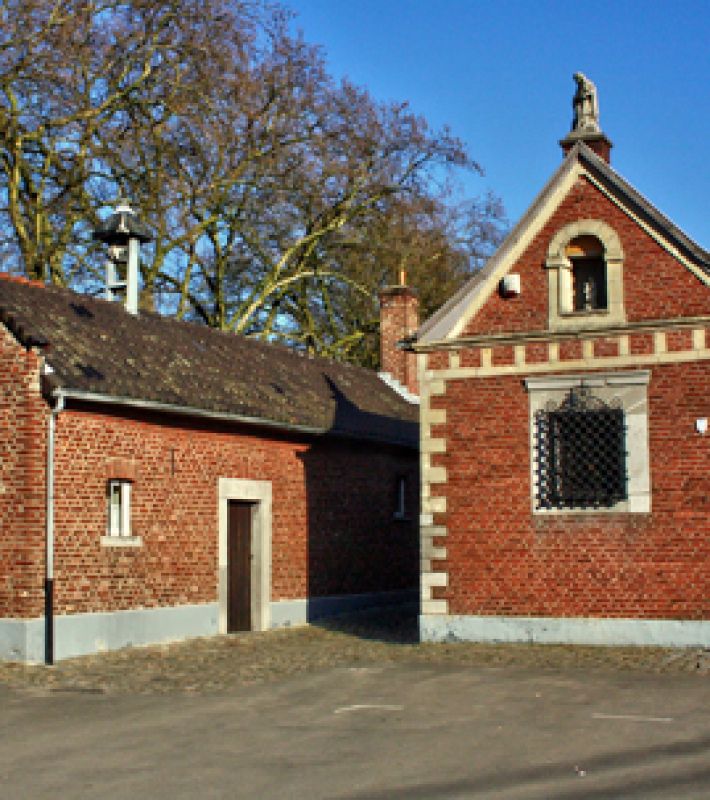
(159, 479)
(564, 405)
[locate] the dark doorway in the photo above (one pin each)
(239, 566)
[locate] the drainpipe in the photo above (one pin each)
(49, 554)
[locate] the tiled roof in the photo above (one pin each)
(95, 347)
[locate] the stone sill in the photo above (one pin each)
(121, 541)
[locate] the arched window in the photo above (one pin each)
(584, 262)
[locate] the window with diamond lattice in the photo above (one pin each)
(580, 453)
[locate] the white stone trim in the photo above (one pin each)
(591, 362)
(258, 492)
(585, 227)
(389, 380)
(562, 382)
(429, 445)
(435, 607)
(565, 630)
(434, 505)
(561, 315)
(121, 541)
(430, 478)
(435, 475)
(542, 335)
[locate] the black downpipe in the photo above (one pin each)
(49, 534)
(49, 621)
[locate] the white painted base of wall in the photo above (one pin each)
(82, 634)
(22, 640)
(565, 630)
(285, 613)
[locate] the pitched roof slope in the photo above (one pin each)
(581, 158)
(95, 347)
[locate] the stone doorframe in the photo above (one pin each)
(259, 493)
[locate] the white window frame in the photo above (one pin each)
(630, 389)
(118, 517)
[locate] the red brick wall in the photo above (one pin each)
(656, 286)
(503, 560)
(332, 526)
(333, 502)
(22, 484)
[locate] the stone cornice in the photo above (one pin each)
(489, 340)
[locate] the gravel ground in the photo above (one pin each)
(219, 663)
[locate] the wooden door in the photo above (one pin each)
(239, 566)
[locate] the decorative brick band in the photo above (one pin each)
(633, 349)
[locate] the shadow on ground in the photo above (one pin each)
(392, 625)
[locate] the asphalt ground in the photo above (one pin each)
(356, 709)
(378, 732)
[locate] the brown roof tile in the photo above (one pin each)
(94, 346)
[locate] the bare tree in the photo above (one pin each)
(436, 245)
(68, 68)
(279, 199)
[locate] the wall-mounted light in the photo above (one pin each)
(701, 425)
(510, 285)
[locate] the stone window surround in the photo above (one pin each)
(631, 389)
(561, 315)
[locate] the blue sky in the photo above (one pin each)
(500, 75)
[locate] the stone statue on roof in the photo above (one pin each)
(585, 105)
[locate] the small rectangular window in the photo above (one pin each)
(119, 508)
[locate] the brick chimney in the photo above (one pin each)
(399, 319)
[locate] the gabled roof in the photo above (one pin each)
(452, 317)
(99, 352)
